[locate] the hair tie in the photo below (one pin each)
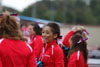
(59, 40)
(15, 15)
(85, 32)
(81, 40)
(60, 37)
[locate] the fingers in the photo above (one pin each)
(77, 28)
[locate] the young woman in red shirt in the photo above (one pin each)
(78, 53)
(52, 54)
(14, 51)
(76, 29)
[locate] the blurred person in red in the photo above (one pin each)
(35, 38)
(78, 53)
(75, 30)
(14, 51)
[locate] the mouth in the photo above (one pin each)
(44, 39)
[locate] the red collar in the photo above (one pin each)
(49, 44)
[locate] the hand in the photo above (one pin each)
(82, 27)
(76, 28)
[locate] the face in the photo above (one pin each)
(31, 31)
(48, 35)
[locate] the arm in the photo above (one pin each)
(38, 46)
(58, 57)
(66, 39)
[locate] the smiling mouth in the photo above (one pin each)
(44, 39)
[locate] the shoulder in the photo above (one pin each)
(76, 55)
(11, 41)
(38, 37)
(57, 49)
(2, 40)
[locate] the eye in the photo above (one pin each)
(42, 32)
(47, 33)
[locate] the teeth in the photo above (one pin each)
(43, 39)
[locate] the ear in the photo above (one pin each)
(55, 36)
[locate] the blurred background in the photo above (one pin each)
(66, 13)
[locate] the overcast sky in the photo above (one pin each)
(18, 4)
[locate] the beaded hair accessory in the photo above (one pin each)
(81, 40)
(85, 32)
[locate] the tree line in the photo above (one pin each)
(65, 11)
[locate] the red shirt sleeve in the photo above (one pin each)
(38, 46)
(32, 61)
(58, 57)
(66, 39)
